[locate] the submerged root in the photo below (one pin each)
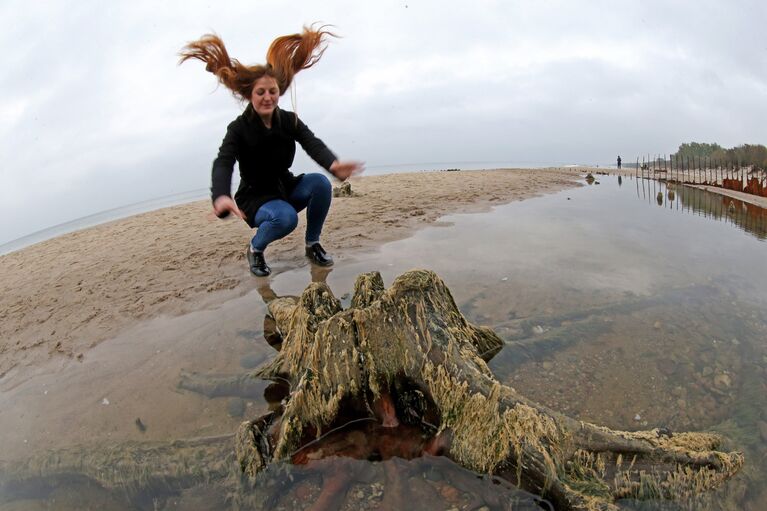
(132, 468)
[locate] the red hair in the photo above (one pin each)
(287, 55)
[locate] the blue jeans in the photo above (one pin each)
(277, 218)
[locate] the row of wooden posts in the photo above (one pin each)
(705, 171)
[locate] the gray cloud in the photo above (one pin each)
(96, 114)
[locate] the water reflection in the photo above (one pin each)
(746, 216)
(615, 310)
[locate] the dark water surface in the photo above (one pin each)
(621, 304)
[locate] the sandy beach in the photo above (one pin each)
(63, 296)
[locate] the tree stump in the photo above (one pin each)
(406, 354)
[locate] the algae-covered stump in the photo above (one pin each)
(407, 354)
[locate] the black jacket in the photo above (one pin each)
(264, 155)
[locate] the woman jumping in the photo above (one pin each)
(263, 140)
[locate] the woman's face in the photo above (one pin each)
(265, 96)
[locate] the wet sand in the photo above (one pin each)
(62, 297)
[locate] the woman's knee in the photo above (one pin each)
(280, 217)
(285, 220)
(319, 183)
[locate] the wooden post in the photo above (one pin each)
(682, 167)
(697, 170)
(676, 160)
(690, 167)
(670, 167)
(716, 172)
(706, 160)
(694, 171)
(740, 175)
(708, 163)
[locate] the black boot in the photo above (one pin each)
(318, 255)
(258, 266)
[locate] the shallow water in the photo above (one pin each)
(619, 306)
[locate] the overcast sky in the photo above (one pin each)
(96, 114)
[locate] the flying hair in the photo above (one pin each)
(287, 55)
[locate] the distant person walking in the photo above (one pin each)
(263, 140)
(619, 162)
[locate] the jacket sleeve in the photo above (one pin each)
(223, 165)
(313, 146)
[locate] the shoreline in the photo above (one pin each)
(65, 295)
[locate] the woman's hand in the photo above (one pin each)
(343, 169)
(223, 205)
